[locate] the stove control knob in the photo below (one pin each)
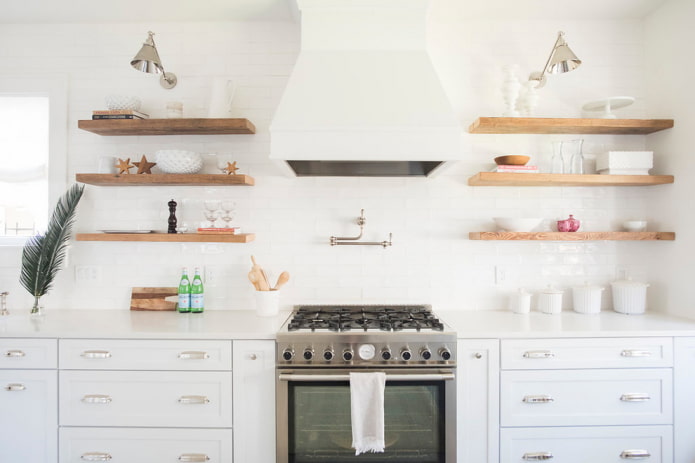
(406, 354)
(288, 354)
(425, 353)
(386, 353)
(445, 353)
(308, 353)
(347, 354)
(367, 351)
(328, 354)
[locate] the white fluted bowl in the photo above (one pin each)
(123, 102)
(517, 224)
(179, 161)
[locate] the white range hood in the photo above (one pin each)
(363, 98)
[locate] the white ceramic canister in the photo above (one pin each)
(629, 297)
(550, 301)
(587, 298)
(520, 301)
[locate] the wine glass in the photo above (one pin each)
(228, 207)
(211, 211)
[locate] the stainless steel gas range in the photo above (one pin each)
(320, 345)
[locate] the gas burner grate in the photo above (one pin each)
(365, 318)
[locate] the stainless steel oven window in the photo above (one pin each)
(315, 423)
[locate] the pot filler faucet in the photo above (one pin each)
(354, 241)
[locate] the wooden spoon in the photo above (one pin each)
(253, 278)
(282, 279)
(263, 283)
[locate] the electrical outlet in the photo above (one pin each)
(500, 275)
(87, 274)
(211, 275)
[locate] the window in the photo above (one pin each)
(32, 154)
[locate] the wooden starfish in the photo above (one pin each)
(231, 168)
(124, 166)
(144, 166)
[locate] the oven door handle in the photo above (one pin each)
(398, 377)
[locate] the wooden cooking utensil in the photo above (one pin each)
(282, 279)
(254, 280)
(262, 279)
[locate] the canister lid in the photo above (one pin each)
(629, 283)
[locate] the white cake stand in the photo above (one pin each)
(605, 105)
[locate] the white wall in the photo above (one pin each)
(670, 71)
(432, 260)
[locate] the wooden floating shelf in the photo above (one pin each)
(224, 126)
(539, 125)
(523, 179)
(164, 179)
(167, 237)
(573, 236)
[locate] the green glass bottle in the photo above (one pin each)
(184, 305)
(197, 304)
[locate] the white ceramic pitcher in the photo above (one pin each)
(221, 95)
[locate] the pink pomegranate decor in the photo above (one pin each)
(568, 225)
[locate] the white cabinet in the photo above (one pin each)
(587, 399)
(477, 417)
(684, 397)
(254, 401)
(28, 391)
(145, 400)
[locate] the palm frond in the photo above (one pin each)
(43, 255)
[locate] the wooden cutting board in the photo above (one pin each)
(153, 298)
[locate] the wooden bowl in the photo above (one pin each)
(512, 160)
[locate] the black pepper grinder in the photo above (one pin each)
(172, 217)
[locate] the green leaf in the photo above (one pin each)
(43, 255)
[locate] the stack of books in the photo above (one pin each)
(517, 169)
(118, 114)
(218, 231)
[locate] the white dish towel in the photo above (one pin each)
(367, 411)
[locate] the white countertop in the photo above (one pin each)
(212, 324)
(245, 324)
(568, 324)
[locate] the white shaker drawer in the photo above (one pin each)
(116, 354)
(145, 398)
(586, 397)
(28, 353)
(604, 444)
(123, 445)
(530, 354)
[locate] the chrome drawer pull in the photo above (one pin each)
(537, 399)
(635, 353)
(15, 353)
(95, 456)
(538, 354)
(537, 456)
(635, 454)
(15, 387)
(97, 399)
(194, 457)
(193, 399)
(635, 397)
(96, 354)
(194, 355)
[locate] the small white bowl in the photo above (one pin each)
(517, 224)
(635, 225)
(179, 161)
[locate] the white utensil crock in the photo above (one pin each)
(550, 301)
(267, 303)
(629, 297)
(587, 298)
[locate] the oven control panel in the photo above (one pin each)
(399, 353)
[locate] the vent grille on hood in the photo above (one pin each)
(363, 98)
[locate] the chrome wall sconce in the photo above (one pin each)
(561, 59)
(147, 60)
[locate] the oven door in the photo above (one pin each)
(314, 425)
